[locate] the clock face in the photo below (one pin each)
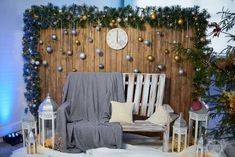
(117, 38)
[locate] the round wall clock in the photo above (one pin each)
(117, 38)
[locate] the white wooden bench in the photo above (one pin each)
(146, 91)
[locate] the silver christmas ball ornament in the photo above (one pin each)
(147, 42)
(126, 19)
(136, 70)
(49, 49)
(181, 72)
(59, 69)
(74, 31)
(40, 42)
(129, 58)
(161, 67)
(97, 28)
(90, 40)
(82, 56)
(69, 53)
(44, 63)
(65, 31)
(98, 51)
(53, 36)
(101, 66)
(37, 63)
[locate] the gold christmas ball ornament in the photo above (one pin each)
(180, 21)
(113, 21)
(167, 51)
(153, 16)
(140, 39)
(150, 58)
(111, 24)
(84, 17)
(119, 19)
(78, 42)
(177, 58)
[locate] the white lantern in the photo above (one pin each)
(28, 124)
(180, 130)
(200, 147)
(31, 143)
(201, 119)
(47, 116)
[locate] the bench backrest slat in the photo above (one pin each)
(145, 90)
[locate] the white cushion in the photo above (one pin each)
(122, 112)
(160, 116)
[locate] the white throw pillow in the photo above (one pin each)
(160, 116)
(121, 112)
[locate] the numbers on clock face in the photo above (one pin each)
(117, 38)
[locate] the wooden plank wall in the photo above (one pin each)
(178, 88)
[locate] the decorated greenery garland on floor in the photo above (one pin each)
(43, 17)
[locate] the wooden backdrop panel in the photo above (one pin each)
(178, 88)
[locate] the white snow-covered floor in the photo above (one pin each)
(136, 146)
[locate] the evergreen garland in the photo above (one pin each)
(43, 17)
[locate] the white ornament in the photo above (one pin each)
(161, 67)
(101, 66)
(49, 49)
(181, 72)
(129, 57)
(40, 42)
(65, 32)
(82, 56)
(69, 53)
(37, 62)
(126, 19)
(119, 19)
(44, 62)
(98, 51)
(59, 68)
(54, 37)
(147, 42)
(74, 32)
(136, 71)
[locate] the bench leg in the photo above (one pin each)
(165, 147)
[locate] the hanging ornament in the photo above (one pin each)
(166, 51)
(202, 39)
(49, 49)
(140, 39)
(66, 32)
(101, 66)
(129, 58)
(74, 31)
(119, 19)
(111, 24)
(54, 37)
(84, 17)
(62, 51)
(153, 15)
(98, 28)
(180, 21)
(150, 58)
(59, 69)
(113, 21)
(32, 61)
(177, 58)
(198, 69)
(82, 56)
(69, 53)
(147, 42)
(174, 41)
(181, 72)
(40, 42)
(161, 67)
(77, 42)
(98, 51)
(130, 14)
(37, 63)
(189, 50)
(136, 70)
(126, 19)
(74, 70)
(90, 40)
(187, 36)
(44, 63)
